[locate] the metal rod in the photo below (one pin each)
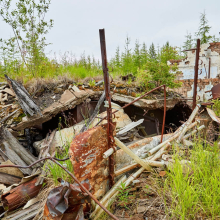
(75, 179)
(164, 113)
(196, 73)
(109, 109)
(209, 73)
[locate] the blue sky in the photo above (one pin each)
(77, 23)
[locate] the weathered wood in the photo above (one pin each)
(8, 116)
(27, 104)
(13, 143)
(68, 101)
(9, 179)
(14, 158)
(94, 114)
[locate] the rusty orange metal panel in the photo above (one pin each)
(86, 153)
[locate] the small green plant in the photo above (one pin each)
(92, 83)
(123, 196)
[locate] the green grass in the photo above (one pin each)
(195, 194)
(57, 172)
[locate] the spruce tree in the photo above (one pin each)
(204, 28)
(136, 57)
(126, 57)
(144, 54)
(152, 52)
(188, 44)
(117, 60)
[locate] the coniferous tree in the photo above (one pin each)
(144, 54)
(126, 57)
(117, 60)
(188, 44)
(152, 52)
(136, 57)
(204, 28)
(168, 52)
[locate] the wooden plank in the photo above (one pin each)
(9, 179)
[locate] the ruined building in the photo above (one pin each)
(209, 71)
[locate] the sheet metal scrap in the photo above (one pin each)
(20, 195)
(86, 153)
(65, 202)
(27, 104)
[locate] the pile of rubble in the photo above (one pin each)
(26, 190)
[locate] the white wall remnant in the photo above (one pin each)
(209, 59)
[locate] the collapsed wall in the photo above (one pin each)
(209, 71)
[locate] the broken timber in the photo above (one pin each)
(27, 104)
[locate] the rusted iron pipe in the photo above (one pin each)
(75, 179)
(109, 109)
(196, 73)
(164, 113)
(209, 73)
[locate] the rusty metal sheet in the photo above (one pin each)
(86, 153)
(65, 202)
(213, 115)
(216, 91)
(20, 195)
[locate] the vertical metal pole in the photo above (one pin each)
(209, 74)
(196, 73)
(109, 110)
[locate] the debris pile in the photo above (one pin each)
(25, 165)
(55, 166)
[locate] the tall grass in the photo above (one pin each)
(194, 193)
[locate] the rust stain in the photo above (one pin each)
(86, 152)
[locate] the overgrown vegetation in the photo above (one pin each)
(193, 192)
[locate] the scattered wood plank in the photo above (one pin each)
(9, 179)
(14, 145)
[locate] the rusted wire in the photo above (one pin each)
(75, 179)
